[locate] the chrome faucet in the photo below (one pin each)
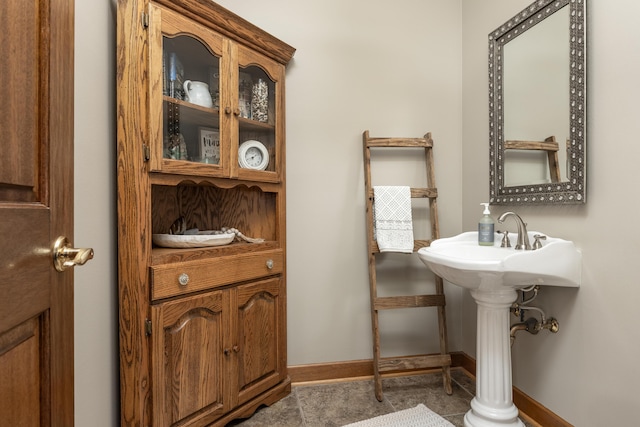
(523, 237)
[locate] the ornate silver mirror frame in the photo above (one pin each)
(572, 190)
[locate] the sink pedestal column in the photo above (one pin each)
(493, 403)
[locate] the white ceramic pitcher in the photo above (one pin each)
(198, 93)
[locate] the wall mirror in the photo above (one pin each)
(537, 105)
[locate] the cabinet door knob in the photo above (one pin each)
(226, 351)
(236, 111)
(269, 264)
(236, 349)
(227, 110)
(183, 279)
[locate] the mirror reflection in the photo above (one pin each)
(537, 94)
(536, 103)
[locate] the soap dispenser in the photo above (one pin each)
(485, 227)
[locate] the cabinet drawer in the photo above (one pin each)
(176, 279)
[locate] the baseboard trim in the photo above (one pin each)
(532, 410)
(330, 371)
(360, 368)
(536, 412)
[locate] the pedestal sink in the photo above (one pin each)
(493, 275)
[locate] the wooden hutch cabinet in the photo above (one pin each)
(201, 214)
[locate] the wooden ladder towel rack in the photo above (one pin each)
(549, 145)
(405, 363)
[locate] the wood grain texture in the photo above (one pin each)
(404, 363)
(250, 210)
(134, 231)
(21, 373)
(22, 48)
(36, 193)
(387, 303)
(56, 167)
(400, 364)
(188, 334)
(207, 273)
(258, 310)
(167, 24)
(33, 294)
(169, 372)
(261, 349)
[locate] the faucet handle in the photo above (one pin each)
(505, 239)
(537, 244)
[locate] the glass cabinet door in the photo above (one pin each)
(186, 134)
(259, 126)
(216, 107)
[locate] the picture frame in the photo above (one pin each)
(209, 145)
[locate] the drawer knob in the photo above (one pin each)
(183, 279)
(269, 264)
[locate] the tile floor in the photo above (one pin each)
(335, 404)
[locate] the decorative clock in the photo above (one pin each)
(253, 155)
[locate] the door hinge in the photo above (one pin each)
(145, 20)
(146, 152)
(147, 327)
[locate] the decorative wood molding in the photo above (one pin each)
(232, 26)
(531, 410)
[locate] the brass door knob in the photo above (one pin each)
(64, 256)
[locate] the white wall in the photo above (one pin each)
(393, 69)
(399, 69)
(96, 310)
(587, 372)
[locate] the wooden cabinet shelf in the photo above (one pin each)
(202, 330)
(193, 113)
(255, 126)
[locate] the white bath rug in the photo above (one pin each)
(420, 416)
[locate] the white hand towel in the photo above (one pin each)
(393, 226)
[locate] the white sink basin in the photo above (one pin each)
(461, 261)
(493, 274)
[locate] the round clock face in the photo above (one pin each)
(253, 155)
